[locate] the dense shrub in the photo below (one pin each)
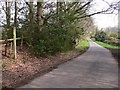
(54, 38)
(119, 35)
(114, 35)
(101, 36)
(113, 42)
(7, 34)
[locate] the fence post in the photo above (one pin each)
(14, 42)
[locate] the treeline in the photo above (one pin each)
(47, 27)
(110, 37)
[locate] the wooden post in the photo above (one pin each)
(14, 30)
(14, 42)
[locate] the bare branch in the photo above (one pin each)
(88, 3)
(27, 3)
(94, 13)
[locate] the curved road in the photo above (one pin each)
(96, 68)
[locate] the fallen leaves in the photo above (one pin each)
(16, 72)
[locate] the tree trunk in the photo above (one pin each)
(8, 14)
(31, 15)
(40, 17)
(8, 24)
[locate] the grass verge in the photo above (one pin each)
(82, 44)
(107, 45)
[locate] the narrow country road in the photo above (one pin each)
(96, 68)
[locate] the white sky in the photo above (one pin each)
(104, 20)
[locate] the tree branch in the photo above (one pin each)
(94, 14)
(84, 5)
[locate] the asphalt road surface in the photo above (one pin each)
(96, 68)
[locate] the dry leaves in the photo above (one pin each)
(27, 66)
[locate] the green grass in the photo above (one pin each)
(107, 45)
(82, 44)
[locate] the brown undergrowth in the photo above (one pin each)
(27, 66)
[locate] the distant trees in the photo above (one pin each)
(100, 36)
(108, 36)
(113, 32)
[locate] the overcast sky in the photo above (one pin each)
(105, 20)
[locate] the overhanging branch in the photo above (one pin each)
(94, 13)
